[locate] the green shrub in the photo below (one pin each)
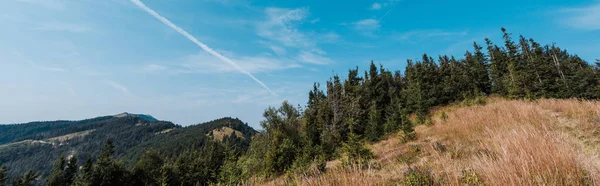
(418, 176)
(405, 138)
(469, 177)
(410, 155)
(443, 116)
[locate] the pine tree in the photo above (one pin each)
(514, 65)
(3, 175)
(85, 175)
(355, 152)
(25, 180)
(148, 169)
(58, 174)
(478, 69)
(374, 130)
(106, 171)
(71, 170)
(499, 68)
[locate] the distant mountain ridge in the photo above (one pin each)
(36, 145)
(143, 116)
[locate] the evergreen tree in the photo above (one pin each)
(478, 72)
(499, 68)
(71, 170)
(26, 179)
(107, 171)
(3, 175)
(147, 170)
(85, 175)
(58, 175)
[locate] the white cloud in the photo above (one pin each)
(426, 34)
(278, 50)
(376, 6)
(119, 87)
(204, 63)
(315, 20)
(313, 57)
(281, 27)
(153, 68)
(53, 69)
(65, 27)
(50, 4)
(366, 26)
(586, 18)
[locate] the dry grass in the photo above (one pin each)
(546, 142)
(223, 132)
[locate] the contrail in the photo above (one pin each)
(388, 12)
(200, 44)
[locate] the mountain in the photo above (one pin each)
(143, 116)
(37, 145)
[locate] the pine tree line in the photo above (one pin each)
(337, 120)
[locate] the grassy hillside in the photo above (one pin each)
(546, 142)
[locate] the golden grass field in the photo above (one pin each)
(504, 142)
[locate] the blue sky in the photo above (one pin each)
(76, 59)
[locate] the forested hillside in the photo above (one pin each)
(35, 146)
(339, 120)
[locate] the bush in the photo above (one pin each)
(469, 177)
(410, 155)
(418, 176)
(355, 152)
(443, 116)
(405, 138)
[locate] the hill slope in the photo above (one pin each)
(37, 145)
(547, 142)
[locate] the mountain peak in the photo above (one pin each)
(143, 116)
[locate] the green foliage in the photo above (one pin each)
(443, 116)
(3, 175)
(85, 175)
(469, 177)
(355, 152)
(148, 170)
(410, 156)
(64, 172)
(418, 176)
(25, 180)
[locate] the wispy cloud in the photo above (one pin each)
(586, 18)
(200, 44)
(65, 27)
(376, 6)
(25, 60)
(427, 34)
(50, 4)
(119, 87)
(204, 63)
(366, 26)
(278, 50)
(53, 69)
(281, 27)
(153, 68)
(313, 57)
(69, 88)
